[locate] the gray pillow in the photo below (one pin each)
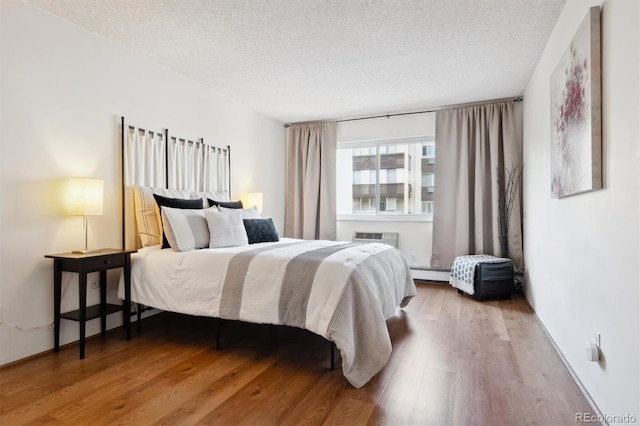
(175, 203)
(186, 229)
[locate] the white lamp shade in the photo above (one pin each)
(85, 196)
(254, 199)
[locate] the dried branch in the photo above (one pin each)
(509, 181)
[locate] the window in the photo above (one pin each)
(427, 207)
(392, 176)
(429, 151)
(427, 179)
(391, 204)
(383, 175)
(386, 177)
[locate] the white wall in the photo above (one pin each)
(62, 93)
(582, 252)
(414, 239)
(414, 236)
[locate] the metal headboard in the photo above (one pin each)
(164, 183)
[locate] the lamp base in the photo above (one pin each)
(86, 251)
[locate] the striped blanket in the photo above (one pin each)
(341, 291)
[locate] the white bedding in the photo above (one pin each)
(341, 291)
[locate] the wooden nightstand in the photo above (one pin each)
(83, 264)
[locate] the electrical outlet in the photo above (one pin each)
(413, 258)
(593, 348)
(94, 285)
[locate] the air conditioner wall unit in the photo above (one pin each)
(390, 238)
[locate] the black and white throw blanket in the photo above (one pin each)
(341, 291)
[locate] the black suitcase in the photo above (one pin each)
(494, 280)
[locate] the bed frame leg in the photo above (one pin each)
(139, 318)
(333, 349)
(218, 334)
(273, 335)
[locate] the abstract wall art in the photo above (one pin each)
(576, 135)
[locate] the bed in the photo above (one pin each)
(341, 291)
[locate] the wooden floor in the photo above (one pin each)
(455, 361)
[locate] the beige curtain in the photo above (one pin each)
(310, 211)
(472, 144)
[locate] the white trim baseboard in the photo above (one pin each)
(572, 373)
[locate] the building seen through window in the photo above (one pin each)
(386, 178)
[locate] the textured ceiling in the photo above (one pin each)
(300, 60)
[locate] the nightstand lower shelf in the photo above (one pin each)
(92, 312)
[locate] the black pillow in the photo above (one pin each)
(227, 204)
(176, 203)
(260, 230)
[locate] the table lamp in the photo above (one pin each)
(254, 199)
(85, 199)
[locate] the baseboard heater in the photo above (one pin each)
(390, 238)
(431, 274)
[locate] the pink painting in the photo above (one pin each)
(576, 163)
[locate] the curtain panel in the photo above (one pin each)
(310, 199)
(474, 144)
(197, 166)
(145, 151)
(194, 166)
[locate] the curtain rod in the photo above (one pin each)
(516, 99)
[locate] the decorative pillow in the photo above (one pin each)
(185, 229)
(226, 229)
(222, 196)
(177, 203)
(260, 230)
(251, 213)
(227, 204)
(148, 214)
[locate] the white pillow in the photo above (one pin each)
(186, 229)
(147, 213)
(251, 213)
(226, 229)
